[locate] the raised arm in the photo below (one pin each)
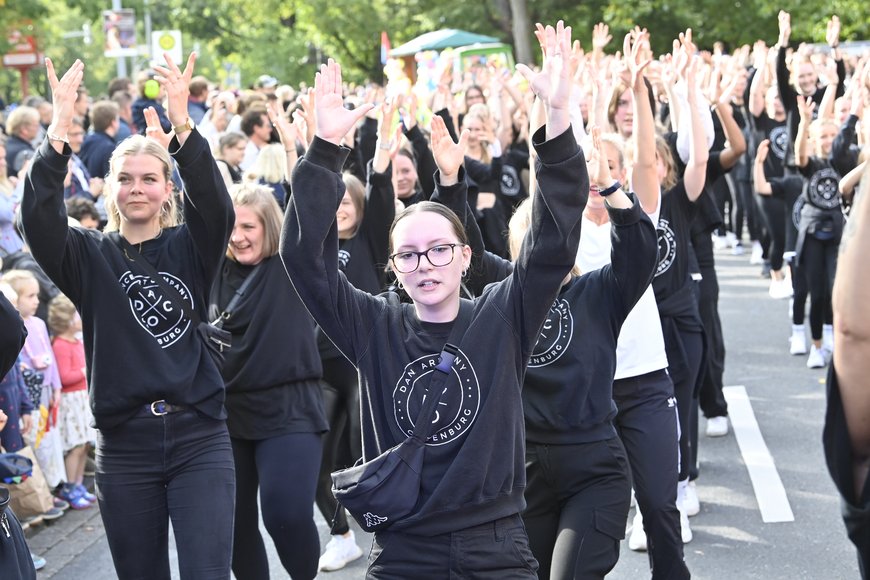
(43, 213)
(758, 86)
(852, 332)
(644, 177)
(852, 179)
(762, 186)
(309, 239)
(734, 135)
(802, 140)
(787, 94)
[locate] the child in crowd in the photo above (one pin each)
(75, 413)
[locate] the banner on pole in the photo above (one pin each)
(119, 28)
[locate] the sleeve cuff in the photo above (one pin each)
(450, 191)
(375, 177)
(56, 161)
(628, 216)
(190, 150)
(556, 150)
(327, 155)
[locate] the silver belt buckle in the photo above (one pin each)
(162, 410)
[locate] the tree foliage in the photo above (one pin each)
(287, 38)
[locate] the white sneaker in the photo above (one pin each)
(637, 538)
(685, 528)
(757, 256)
(737, 249)
(798, 341)
(340, 551)
(780, 289)
(719, 242)
(731, 239)
(691, 503)
(716, 427)
(816, 359)
(828, 338)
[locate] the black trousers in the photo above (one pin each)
(647, 424)
(283, 471)
(577, 497)
(496, 550)
(819, 263)
(776, 212)
(342, 444)
(711, 399)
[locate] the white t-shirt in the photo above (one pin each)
(641, 346)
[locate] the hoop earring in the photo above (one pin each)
(399, 284)
(465, 271)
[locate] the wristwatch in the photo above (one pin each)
(188, 125)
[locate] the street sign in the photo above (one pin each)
(23, 52)
(168, 41)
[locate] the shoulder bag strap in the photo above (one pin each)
(423, 424)
(228, 311)
(132, 254)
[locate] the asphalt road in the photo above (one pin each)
(731, 541)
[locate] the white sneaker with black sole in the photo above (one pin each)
(340, 551)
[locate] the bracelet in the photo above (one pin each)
(386, 146)
(53, 137)
(612, 189)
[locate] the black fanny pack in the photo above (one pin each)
(383, 491)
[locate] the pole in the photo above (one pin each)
(122, 61)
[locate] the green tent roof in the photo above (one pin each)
(439, 40)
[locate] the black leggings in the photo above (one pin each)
(801, 293)
(819, 262)
(776, 213)
(341, 445)
(687, 400)
(284, 470)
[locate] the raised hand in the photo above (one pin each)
(448, 154)
(389, 139)
(806, 106)
(600, 37)
(762, 151)
(177, 86)
(304, 115)
(635, 50)
(332, 118)
(596, 164)
(287, 131)
(784, 28)
(63, 96)
(153, 129)
(832, 34)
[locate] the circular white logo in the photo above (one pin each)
(779, 141)
(667, 246)
(343, 259)
(458, 403)
(154, 311)
(823, 187)
(510, 181)
(555, 335)
(796, 211)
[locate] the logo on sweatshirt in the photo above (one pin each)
(779, 141)
(458, 401)
(154, 311)
(796, 211)
(343, 259)
(555, 335)
(823, 188)
(667, 246)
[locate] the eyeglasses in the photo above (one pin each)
(438, 256)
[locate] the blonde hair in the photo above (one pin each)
(138, 145)
(19, 117)
(16, 279)
(262, 202)
(663, 150)
(519, 225)
(482, 113)
(270, 166)
(61, 314)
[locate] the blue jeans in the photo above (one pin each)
(152, 469)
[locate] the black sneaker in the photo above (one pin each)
(765, 269)
(52, 514)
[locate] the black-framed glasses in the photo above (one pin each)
(440, 255)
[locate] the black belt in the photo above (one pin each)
(158, 408)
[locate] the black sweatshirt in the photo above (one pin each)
(272, 370)
(12, 335)
(139, 348)
(474, 470)
(567, 393)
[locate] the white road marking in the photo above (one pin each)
(769, 491)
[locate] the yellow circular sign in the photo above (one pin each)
(167, 42)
